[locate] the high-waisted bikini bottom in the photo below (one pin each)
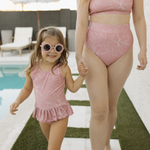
(109, 42)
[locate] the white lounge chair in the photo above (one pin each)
(22, 39)
(63, 30)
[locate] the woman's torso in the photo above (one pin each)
(110, 11)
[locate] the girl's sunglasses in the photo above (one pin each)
(48, 47)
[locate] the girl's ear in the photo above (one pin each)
(40, 50)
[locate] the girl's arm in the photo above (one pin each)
(24, 94)
(81, 29)
(72, 85)
(140, 28)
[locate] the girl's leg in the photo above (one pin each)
(118, 73)
(57, 133)
(97, 86)
(46, 129)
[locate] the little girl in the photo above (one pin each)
(48, 73)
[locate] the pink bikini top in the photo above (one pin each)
(110, 6)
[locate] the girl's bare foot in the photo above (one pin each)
(107, 147)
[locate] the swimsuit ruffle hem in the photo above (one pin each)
(53, 114)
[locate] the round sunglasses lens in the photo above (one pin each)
(47, 47)
(58, 48)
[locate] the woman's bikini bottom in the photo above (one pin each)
(109, 42)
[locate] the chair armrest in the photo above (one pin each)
(11, 39)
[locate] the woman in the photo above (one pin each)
(106, 49)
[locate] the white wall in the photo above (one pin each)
(138, 83)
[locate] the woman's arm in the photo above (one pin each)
(24, 94)
(140, 28)
(81, 29)
(72, 85)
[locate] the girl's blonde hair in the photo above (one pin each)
(36, 55)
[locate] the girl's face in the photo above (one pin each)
(52, 56)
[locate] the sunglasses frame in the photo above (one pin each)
(52, 47)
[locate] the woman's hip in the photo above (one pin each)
(109, 42)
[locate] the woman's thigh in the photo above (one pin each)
(118, 73)
(96, 82)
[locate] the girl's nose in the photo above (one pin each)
(52, 51)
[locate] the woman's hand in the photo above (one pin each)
(13, 108)
(82, 70)
(81, 62)
(143, 60)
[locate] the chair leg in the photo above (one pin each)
(1, 52)
(33, 46)
(11, 50)
(20, 52)
(29, 48)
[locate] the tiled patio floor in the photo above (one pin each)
(11, 126)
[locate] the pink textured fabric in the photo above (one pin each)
(110, 6)
(51, 104)
(109, 42)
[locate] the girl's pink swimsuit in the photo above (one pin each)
(109, 42)
(51, 104)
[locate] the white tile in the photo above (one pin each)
(73, 144)
(9, 134)
(87, 144)
(113, 143)
(78, 118)
(81, 94)
(87, 117)
(75, 77)
(11, 126)
(72, 62)
(15, 57)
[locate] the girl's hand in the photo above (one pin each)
(82, 70)
(81, 62)
(143, 60)
(13, 108)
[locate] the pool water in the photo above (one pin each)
(12, 79)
